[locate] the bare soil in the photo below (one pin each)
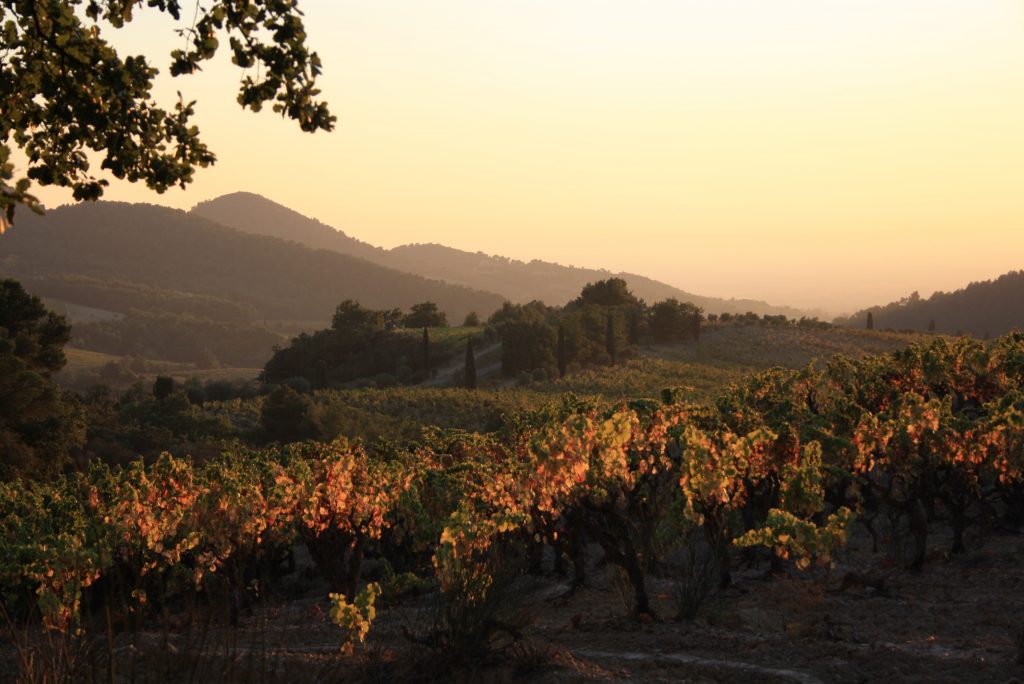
(865, 620)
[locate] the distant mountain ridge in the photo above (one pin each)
(517, 281)
(983, 309)
(252, 213)
(175, 250)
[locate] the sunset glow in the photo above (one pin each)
(828, 154)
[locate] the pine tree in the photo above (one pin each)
(470, 365)
(563, 361)
(609, 338)
(871, 321)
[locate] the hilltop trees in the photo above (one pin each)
(67, 92)
(360, 344)
(425, 315)
(603, 326)
(990, 306)
(672, 321)
(351, 318)
(599, 324)
(611, 292)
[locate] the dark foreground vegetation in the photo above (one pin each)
(113, 572)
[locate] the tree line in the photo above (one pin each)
(983, 310)
(604, 325)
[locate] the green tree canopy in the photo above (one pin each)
(527, 345)
(351, 317)
(66, 91)
(674, 321)
(29, 331)
(287, 416)
(425, 315)
(39, 425)
(611, 292)
(516, 313)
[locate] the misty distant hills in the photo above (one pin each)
(518, 281)
(184, 252)
(983, 309)
(252, 213)
(551, 283)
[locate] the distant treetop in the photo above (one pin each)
(611, 292)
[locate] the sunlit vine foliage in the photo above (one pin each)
(786, 461)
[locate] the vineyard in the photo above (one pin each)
(780, 471)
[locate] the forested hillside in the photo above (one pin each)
(517, 281)
(983, 309)
(252, 213)
(172, 249)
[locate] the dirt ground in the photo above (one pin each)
(961, 619)
(958, 620)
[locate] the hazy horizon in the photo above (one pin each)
(833, 156)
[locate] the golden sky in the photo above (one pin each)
(827, 153)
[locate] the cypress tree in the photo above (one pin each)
(609, 338)
(563, 362)
(470, 365)
(871, 321)
(426, 351)
(163, 387)
(931, 325)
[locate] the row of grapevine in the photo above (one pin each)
(787, 461)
